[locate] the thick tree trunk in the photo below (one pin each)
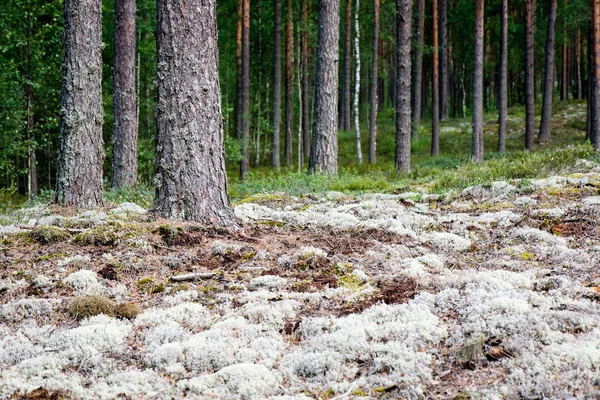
(244, 164)
(373, 88)
(417, 69)
(324, 149)
(125, 130)
(443, 60)
(357, 83)
(548, 75)
(191, 182)
(344, 116)
(275, 149)
(477, 141)
(305, 102)
(435, 107)
(503, 91)
(529, 75)
(289, 80)
(80, 151)
(403, 84)
(594, 114)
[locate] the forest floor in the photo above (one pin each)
(486, 292)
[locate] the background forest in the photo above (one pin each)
(30, 56)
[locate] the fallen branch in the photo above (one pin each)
(193, 276)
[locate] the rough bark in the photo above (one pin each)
(403, 84)
(594, 113)
(548, 89)
(529, 75)
(305, 117)
(443, 60)
(275, 149)
(344, 116)
(191, 182)
(289, 80)
(125, 130)
(417, 70)
(503, 89)
(245, 106)
(435, 95)
(80, 151)
(357, 83)
(324, 148)
(477, 141)
(238, 63)
(373, 88)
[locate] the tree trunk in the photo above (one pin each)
(324, 149)
(80, 150)
(357, 83)
(529, 75)
(191, 179)
(435, 107)
(344, 117)
(477, 143)
(125, 132)
(373, 88)
(416, 86)
(403, 84)
(578, 65)
(443, 60)
(564, 88)
(289, 80)
(244, 164)
(305, 116)
(595, 81)
(238, 63)
(503, 91)
(32, 183)
(275, 150)
(548, 75)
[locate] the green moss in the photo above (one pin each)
(51, 256)
(150, 285)
(49, 235)
(169, 233)
(127, 310)
(88, 306)
(109, 234)
(350, 281)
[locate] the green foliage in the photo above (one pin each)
(142, 195)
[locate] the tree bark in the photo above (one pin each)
(435, 107)
(275, 149)
(244, 164)
(344, 117)
(32, 183)
(548, 75)
(191, 182)
(594, 113)
(324, 149)
(564, 88)
(238, 63)
(289, 80)
(305, 101)
(373, 88)
(477, 141)
(443, 60)
(529, 75)
(503, 89)
(357, 83)
(416, 86)
(80, 150)
(125, 130)
(578, 65)
(403, 84)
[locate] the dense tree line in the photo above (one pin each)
(342, 62)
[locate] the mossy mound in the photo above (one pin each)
(88, 306)
(127, 310)
(49, 235)
(150, 285)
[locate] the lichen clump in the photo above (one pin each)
(50, 235)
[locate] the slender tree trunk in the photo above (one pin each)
(32, 181)
(305, 106)
(80, 150)
(258, 128)
(125, 132)
(477, 143)
(548, 75)
(238, 63)
(595, 81)
(443, 60)
(324, 149)
(275, 150)
(344, 116)
(578, 65)
(503, 91)
(190, 168)
(373, 88)
(564, 91)
(529, 75)
(289, 80)
(244, 164)
(435, 107)
(417, 83)
(403, 84)
(357, 83)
